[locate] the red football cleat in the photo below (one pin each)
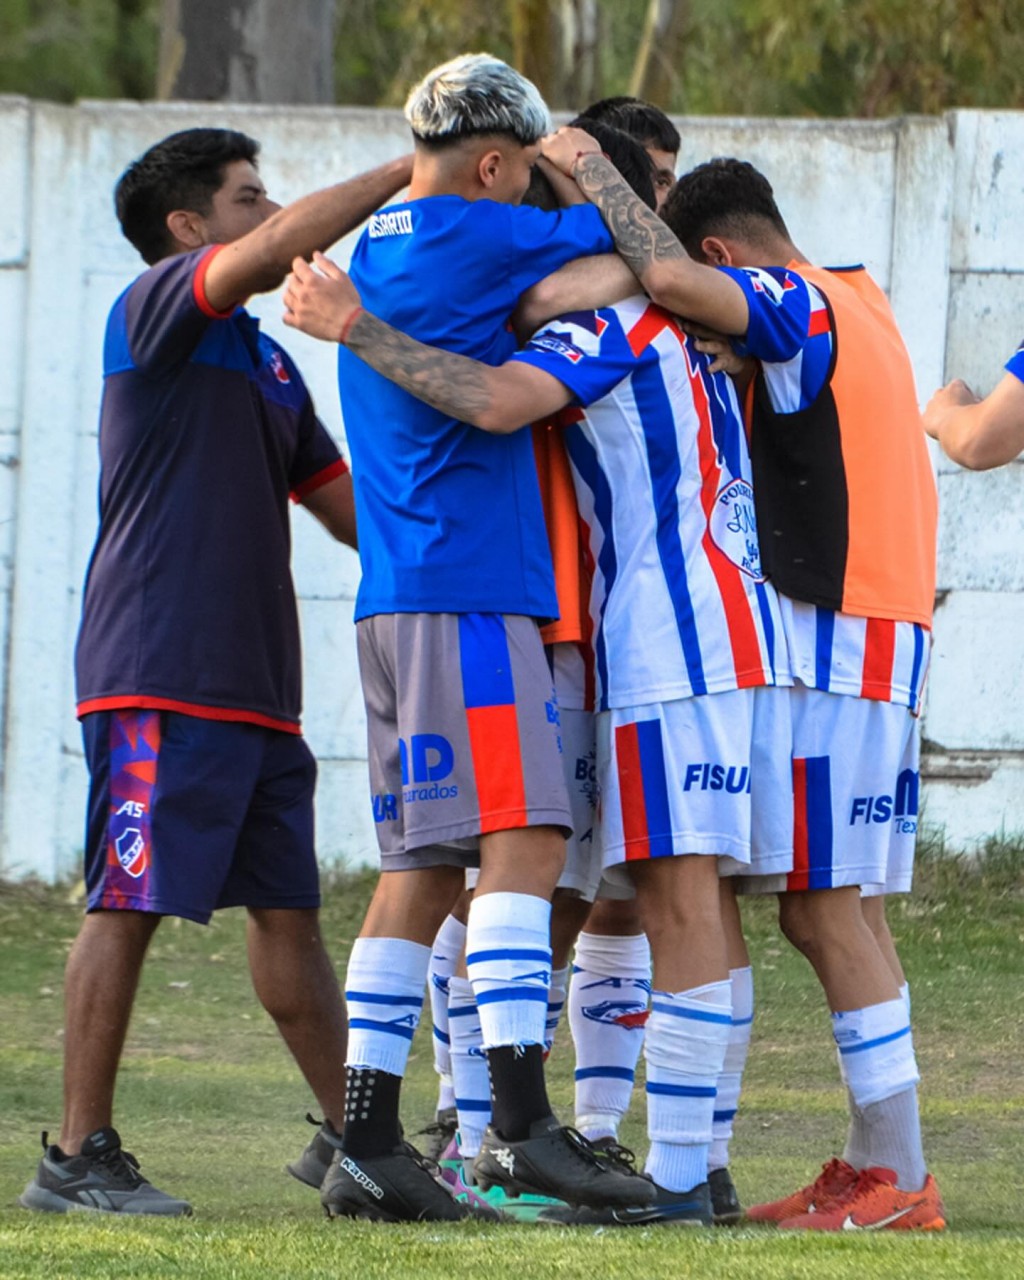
(875, 1203)
(836, 1178)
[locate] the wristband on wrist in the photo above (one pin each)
(346, 328)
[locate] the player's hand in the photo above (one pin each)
(563, 147)
(718, 346)
(951, 396)
(320, 299)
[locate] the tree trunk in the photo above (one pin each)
(657, 73)
(536, 34)
(247, 51)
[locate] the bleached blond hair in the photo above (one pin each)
(476, 94)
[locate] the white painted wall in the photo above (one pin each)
(933, 207)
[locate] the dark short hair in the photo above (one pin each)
(723, 197)
(184, 171)
(641, 120)
(626, 154)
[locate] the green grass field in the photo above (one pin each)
(213, 1107)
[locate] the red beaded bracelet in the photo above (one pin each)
(346, 328)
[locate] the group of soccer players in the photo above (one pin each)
(711, 613)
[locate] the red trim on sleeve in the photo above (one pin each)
(199, 285)
(119, 702)
(317, 481)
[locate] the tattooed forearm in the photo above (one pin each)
(454, 384)
(640, 235)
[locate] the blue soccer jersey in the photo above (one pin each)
(205, 427)
(450, 518)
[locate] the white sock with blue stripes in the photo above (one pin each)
(508, 959)
(730, 1082)
(608, 996)
(384, 989)
(556, 1003)
(687, 1034)
(469, 1067)
(444, 958)
(879, 1068)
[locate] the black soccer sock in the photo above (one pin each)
(371, 1113)
(519, 1094)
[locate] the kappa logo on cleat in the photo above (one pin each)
(505, 1158)
(364, 1179)
(851, 1224)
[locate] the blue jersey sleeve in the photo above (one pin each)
(541, 242)
(165, 313)
(1015, 364)
(779, 306)
(587, 351)
(790, 332)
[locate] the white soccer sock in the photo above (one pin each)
(556, 1003)
(687, 1034)
(384, 989)
(444, 958)
(469, 1067)
(730, 1082)
(857, 1143)
(876, 1059)
(611, 983)
(508, 959)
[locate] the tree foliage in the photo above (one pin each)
(725, 57)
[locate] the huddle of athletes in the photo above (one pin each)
(647, 526)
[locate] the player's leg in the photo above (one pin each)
(524, 815)
(771, 856)
(166, 802)
(608, 1010)
(846, 759)
(447, 949)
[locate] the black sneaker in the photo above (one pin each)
(402, 1186)
(103, 1178)
(725, 1203)
(311, 1167)
(557, 1161)
(670, 1209)
(439, 1133)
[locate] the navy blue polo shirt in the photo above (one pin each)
(205, 429)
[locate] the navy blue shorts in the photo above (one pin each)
(189, 815)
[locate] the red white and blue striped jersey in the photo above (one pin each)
(792, 333)
(662, 474)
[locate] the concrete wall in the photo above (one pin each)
(933, 206)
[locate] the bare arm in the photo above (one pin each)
(585, 284)
(334, 505)
(324, 303)
(978, 434)
(647, 245)
(260, 260)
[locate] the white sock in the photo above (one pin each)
(444, 958)
(556, 1003)
(687, 1034)
(469, 1067)
(878, 1066)
(730, 1082)
(611, 983)
(384, 988)
(508, 959)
